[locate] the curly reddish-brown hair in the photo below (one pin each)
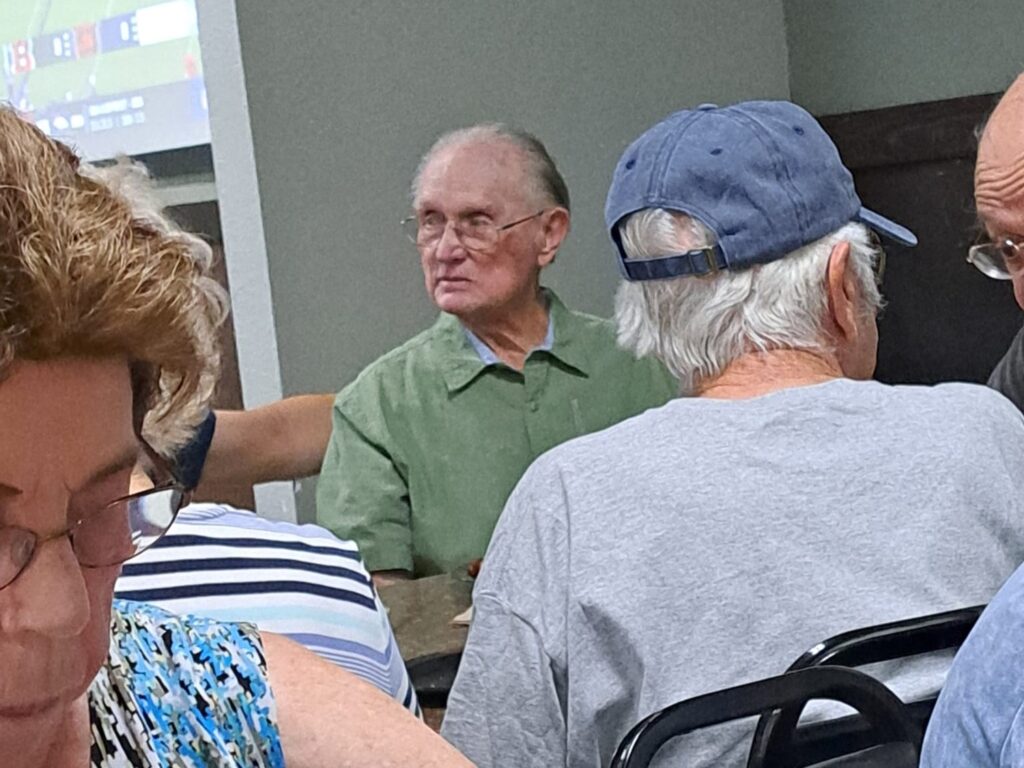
(90, 267)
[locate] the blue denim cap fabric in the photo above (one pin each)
(762, 175)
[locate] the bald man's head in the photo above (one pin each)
(999, 173)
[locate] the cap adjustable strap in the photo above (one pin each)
(703, 261)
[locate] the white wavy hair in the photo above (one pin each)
(699, 325)
(173, 420)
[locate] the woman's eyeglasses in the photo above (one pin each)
(107, 536)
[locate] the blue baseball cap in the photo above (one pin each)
(762, 175)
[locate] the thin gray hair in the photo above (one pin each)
(699, 325)
(548, 182)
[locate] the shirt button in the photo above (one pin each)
(534, 406)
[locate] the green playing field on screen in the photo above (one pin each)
(107, 76)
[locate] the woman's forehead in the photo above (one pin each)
(70, 414)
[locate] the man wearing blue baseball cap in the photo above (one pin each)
(710, 542)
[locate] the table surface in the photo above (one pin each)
(421, 613)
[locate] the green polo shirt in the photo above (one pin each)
(429, 440)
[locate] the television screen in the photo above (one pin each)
(106, 76)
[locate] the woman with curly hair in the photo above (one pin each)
(107, 327)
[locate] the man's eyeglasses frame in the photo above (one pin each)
(487, 238)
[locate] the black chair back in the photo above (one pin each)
(777, 736)
(874, 701)
(432, 678)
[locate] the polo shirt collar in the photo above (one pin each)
(569, 343)
(464, 361)
(489, 358)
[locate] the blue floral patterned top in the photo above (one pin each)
(182, 692)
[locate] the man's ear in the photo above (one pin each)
(554, 228)
(843, 294)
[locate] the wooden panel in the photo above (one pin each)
(229, 389)
(228, 394)
(203, 219)
(915, 163)
(945, 320)
(936, 130)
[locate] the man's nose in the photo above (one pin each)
(449, 247)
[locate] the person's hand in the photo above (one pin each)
(473, 569)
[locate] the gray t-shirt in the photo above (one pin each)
(709, 543)
(1008, 376)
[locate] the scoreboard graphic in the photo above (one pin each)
(108, 76)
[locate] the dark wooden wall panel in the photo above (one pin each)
(945, 320)
(203, 219)
(229, 388)
(227, 396)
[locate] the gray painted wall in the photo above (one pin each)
(345, 96)
(849, 55)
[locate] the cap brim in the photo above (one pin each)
(887, 228)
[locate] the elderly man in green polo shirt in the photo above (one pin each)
(430, 439)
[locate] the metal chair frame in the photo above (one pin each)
(794, 689)
(773, 736)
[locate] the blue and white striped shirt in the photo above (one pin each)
(299, 581)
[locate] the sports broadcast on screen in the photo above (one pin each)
(106, 76)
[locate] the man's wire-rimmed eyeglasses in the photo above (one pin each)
(998, 260)
(475, 231)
